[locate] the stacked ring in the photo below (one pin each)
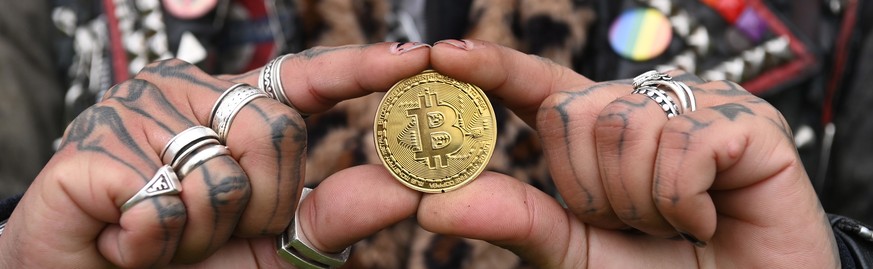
(294, 247)
(184, 152)
(650, 83)
(228, 105)
(184, 143)
(199, 157)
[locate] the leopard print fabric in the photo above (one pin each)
(343, 136)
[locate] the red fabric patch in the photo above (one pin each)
(730, 10)
(804, 61)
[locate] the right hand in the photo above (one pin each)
(231, 205)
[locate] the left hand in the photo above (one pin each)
(725, 177)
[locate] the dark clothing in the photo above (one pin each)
(31, 96)
(820, 83)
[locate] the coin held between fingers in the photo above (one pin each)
(434, 133)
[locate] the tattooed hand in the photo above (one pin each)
(726, 177)
(231, 207)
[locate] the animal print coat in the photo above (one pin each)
(343, 137)
(555, 29)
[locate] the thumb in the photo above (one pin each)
(512, 215)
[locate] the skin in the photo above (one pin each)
(725, 177)
(233, 205)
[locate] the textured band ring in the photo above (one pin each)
(686, 97)
(270, 80)
(659, 96)
(649, 76)
(228, 105)
(294, 247)
(163, 182)
(186, 141)
(201, 156)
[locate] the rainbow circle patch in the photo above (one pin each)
(640, 34)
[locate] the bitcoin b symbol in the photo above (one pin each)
(434, 133)
(438, 122)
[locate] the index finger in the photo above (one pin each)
(316, 79)
(520, 81)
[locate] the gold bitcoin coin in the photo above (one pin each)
(435, 133)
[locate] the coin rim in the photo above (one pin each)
(452, 82)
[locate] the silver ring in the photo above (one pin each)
(294, 247)
(692, 101)
(649, 76)
(659, 96)
(201, 156)
(163, 182)
(228, 105)
(270, 80)
(186, 141)
(686, 97)
(680, 89)
(187, 153)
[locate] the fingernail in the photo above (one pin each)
(401, 48)
(461, 44)
(690, 238)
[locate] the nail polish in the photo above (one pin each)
(461, 44)
(690, 238)
(401, 48)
